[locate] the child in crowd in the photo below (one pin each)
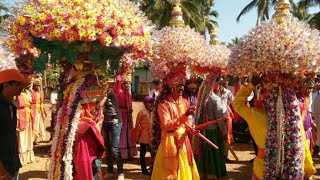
(143, 127)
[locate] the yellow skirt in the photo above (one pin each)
(185, 171)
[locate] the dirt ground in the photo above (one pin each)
(241, 170)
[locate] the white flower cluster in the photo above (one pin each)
(178, 46)
(217, 58)
(158, 70)
(6, 57)
(292, 47)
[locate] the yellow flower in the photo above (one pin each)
(39, 27)
(99, 31)
(120, 39)
(20, 35)
(33, 18)
(108, 40)
(60, 20)
(119, 30)
(69, 4)
(127, 31)
(29, 9)
(78, 1)
(72, 12)
(21, 20)
(26, 44)
(54, 12)
(92, 21)
(57, 33)
(51, 25)
(72, 21)
(91, 34)
(14, 29)
(42, 17)
(82, 33)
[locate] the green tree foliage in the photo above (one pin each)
(196, 13)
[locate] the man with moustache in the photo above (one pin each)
(174, 159)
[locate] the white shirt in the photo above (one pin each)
(53, 97)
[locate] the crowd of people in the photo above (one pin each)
(168, 125)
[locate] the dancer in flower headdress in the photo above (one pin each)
(174, 159)
(295, 145)
(276, 126)
(210, 108)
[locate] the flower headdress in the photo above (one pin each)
(282, 49)
(178, 44)
(217, 58)
(158, 70)
(283, 45)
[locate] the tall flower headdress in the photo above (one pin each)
(216, 59)
(177, 44)
(283, 45)
(284, 49)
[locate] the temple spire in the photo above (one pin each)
(282, 13)
(177, 16)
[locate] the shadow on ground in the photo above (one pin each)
(34, 175)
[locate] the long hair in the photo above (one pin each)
(156, 129)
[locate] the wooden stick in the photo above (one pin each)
(197, 133)
(206, 139)
(231, 150)
(210, 122)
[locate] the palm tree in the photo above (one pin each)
(263, 8)
(233, 42)
(4, 12)
(300, 11)
(196, 13)
(207, 14)
(315, 20)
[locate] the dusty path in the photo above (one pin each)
(241, 170)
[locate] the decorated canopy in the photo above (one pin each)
(178, 45)
(216, 60)
(94, 30)
(283, 45)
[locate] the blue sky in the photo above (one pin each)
(228, 12)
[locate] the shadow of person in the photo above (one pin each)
(34, 174)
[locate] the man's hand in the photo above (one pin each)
(191, 111)
(255, 80)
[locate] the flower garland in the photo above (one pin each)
(65, 119)
(284, 144)
(292, 47)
